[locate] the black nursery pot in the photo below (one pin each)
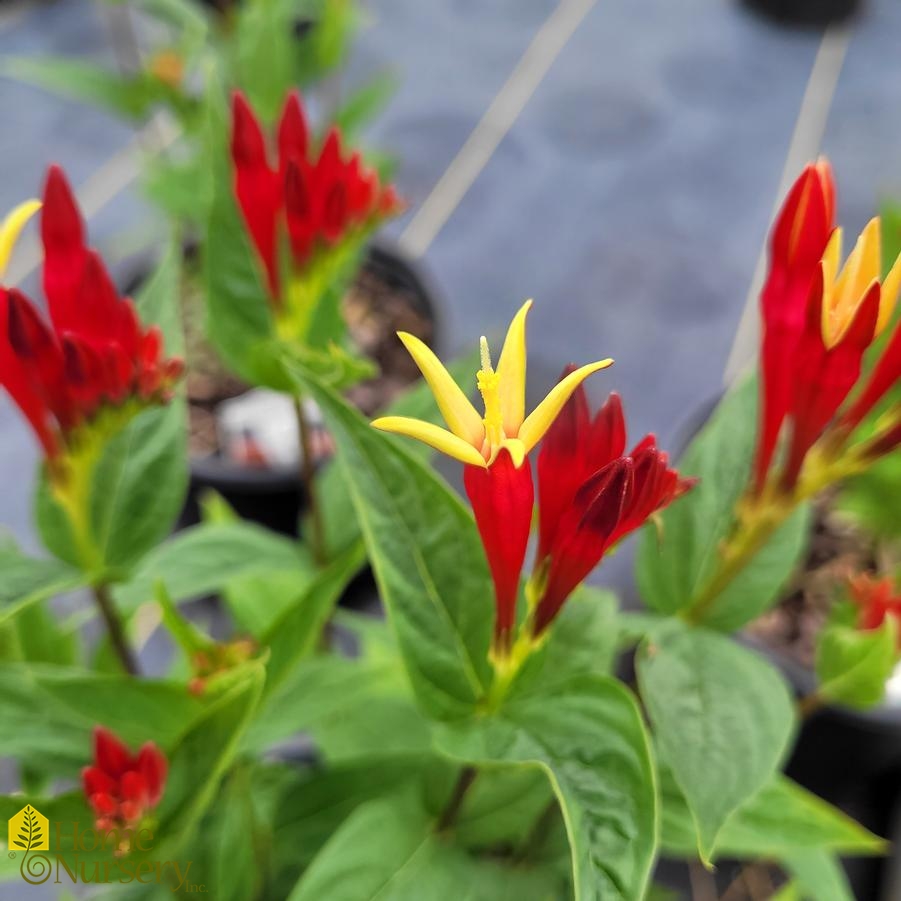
(274, 497)
(817, 13)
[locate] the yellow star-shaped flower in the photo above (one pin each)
(474, 439)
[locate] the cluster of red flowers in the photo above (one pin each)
(94, 352)
(122, 787)
(818, 324)
(317, 198)
(591, 495)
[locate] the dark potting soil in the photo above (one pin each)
(838, 549)
(375, 308)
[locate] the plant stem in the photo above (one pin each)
(115, 629)
(455, 802)
(748, 539)
(308, 480)
(809, 704)
(703, 888)
(538, 834)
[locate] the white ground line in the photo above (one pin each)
(497, 120)
(804, 146)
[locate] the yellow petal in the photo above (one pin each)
(861, 269)
(432, 435)
(832, 257)
(511, 372)
(11, 228)
(459, 414)
(540, 419)
(889, 297)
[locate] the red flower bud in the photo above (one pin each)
(876, 600)
(591, 496)
(320, 198)
(121, 787)
(799, 239)
(94, 352)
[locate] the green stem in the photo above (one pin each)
(115, 628)
(539, 832)
(748, 539)
(308, 480)
(455, 802)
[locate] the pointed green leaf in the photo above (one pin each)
(674, 568)
(426, 556)
(588, 737)
(722, 716)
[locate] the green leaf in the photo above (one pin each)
(427, 559)
(674, 571)
(238, 316)
(264, 54)
(341, 526)
(863, 497)
(201, 560)
(779, 819)
(315, 807)
(387, 850)
(44, 638)
(235, 871)
(71, 701)
(365, 104)
(502, 807)
(353, 709)
(131, 97)
(853, 666)
(295, 634)
(56, 743)
(589, 739)
(324, 46)
(204, 754)
(819, 876)
(722, 716)
(134, 709)
(28, 580)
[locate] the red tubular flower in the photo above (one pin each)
(502, 496)
(819, 321)
(591, 496)
(494, 449)
(876, 600)
(94, 354)
(317, 199)
(799, 239)
(121, 787)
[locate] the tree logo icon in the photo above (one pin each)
(29, 831)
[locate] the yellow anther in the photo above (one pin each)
(485, 354)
